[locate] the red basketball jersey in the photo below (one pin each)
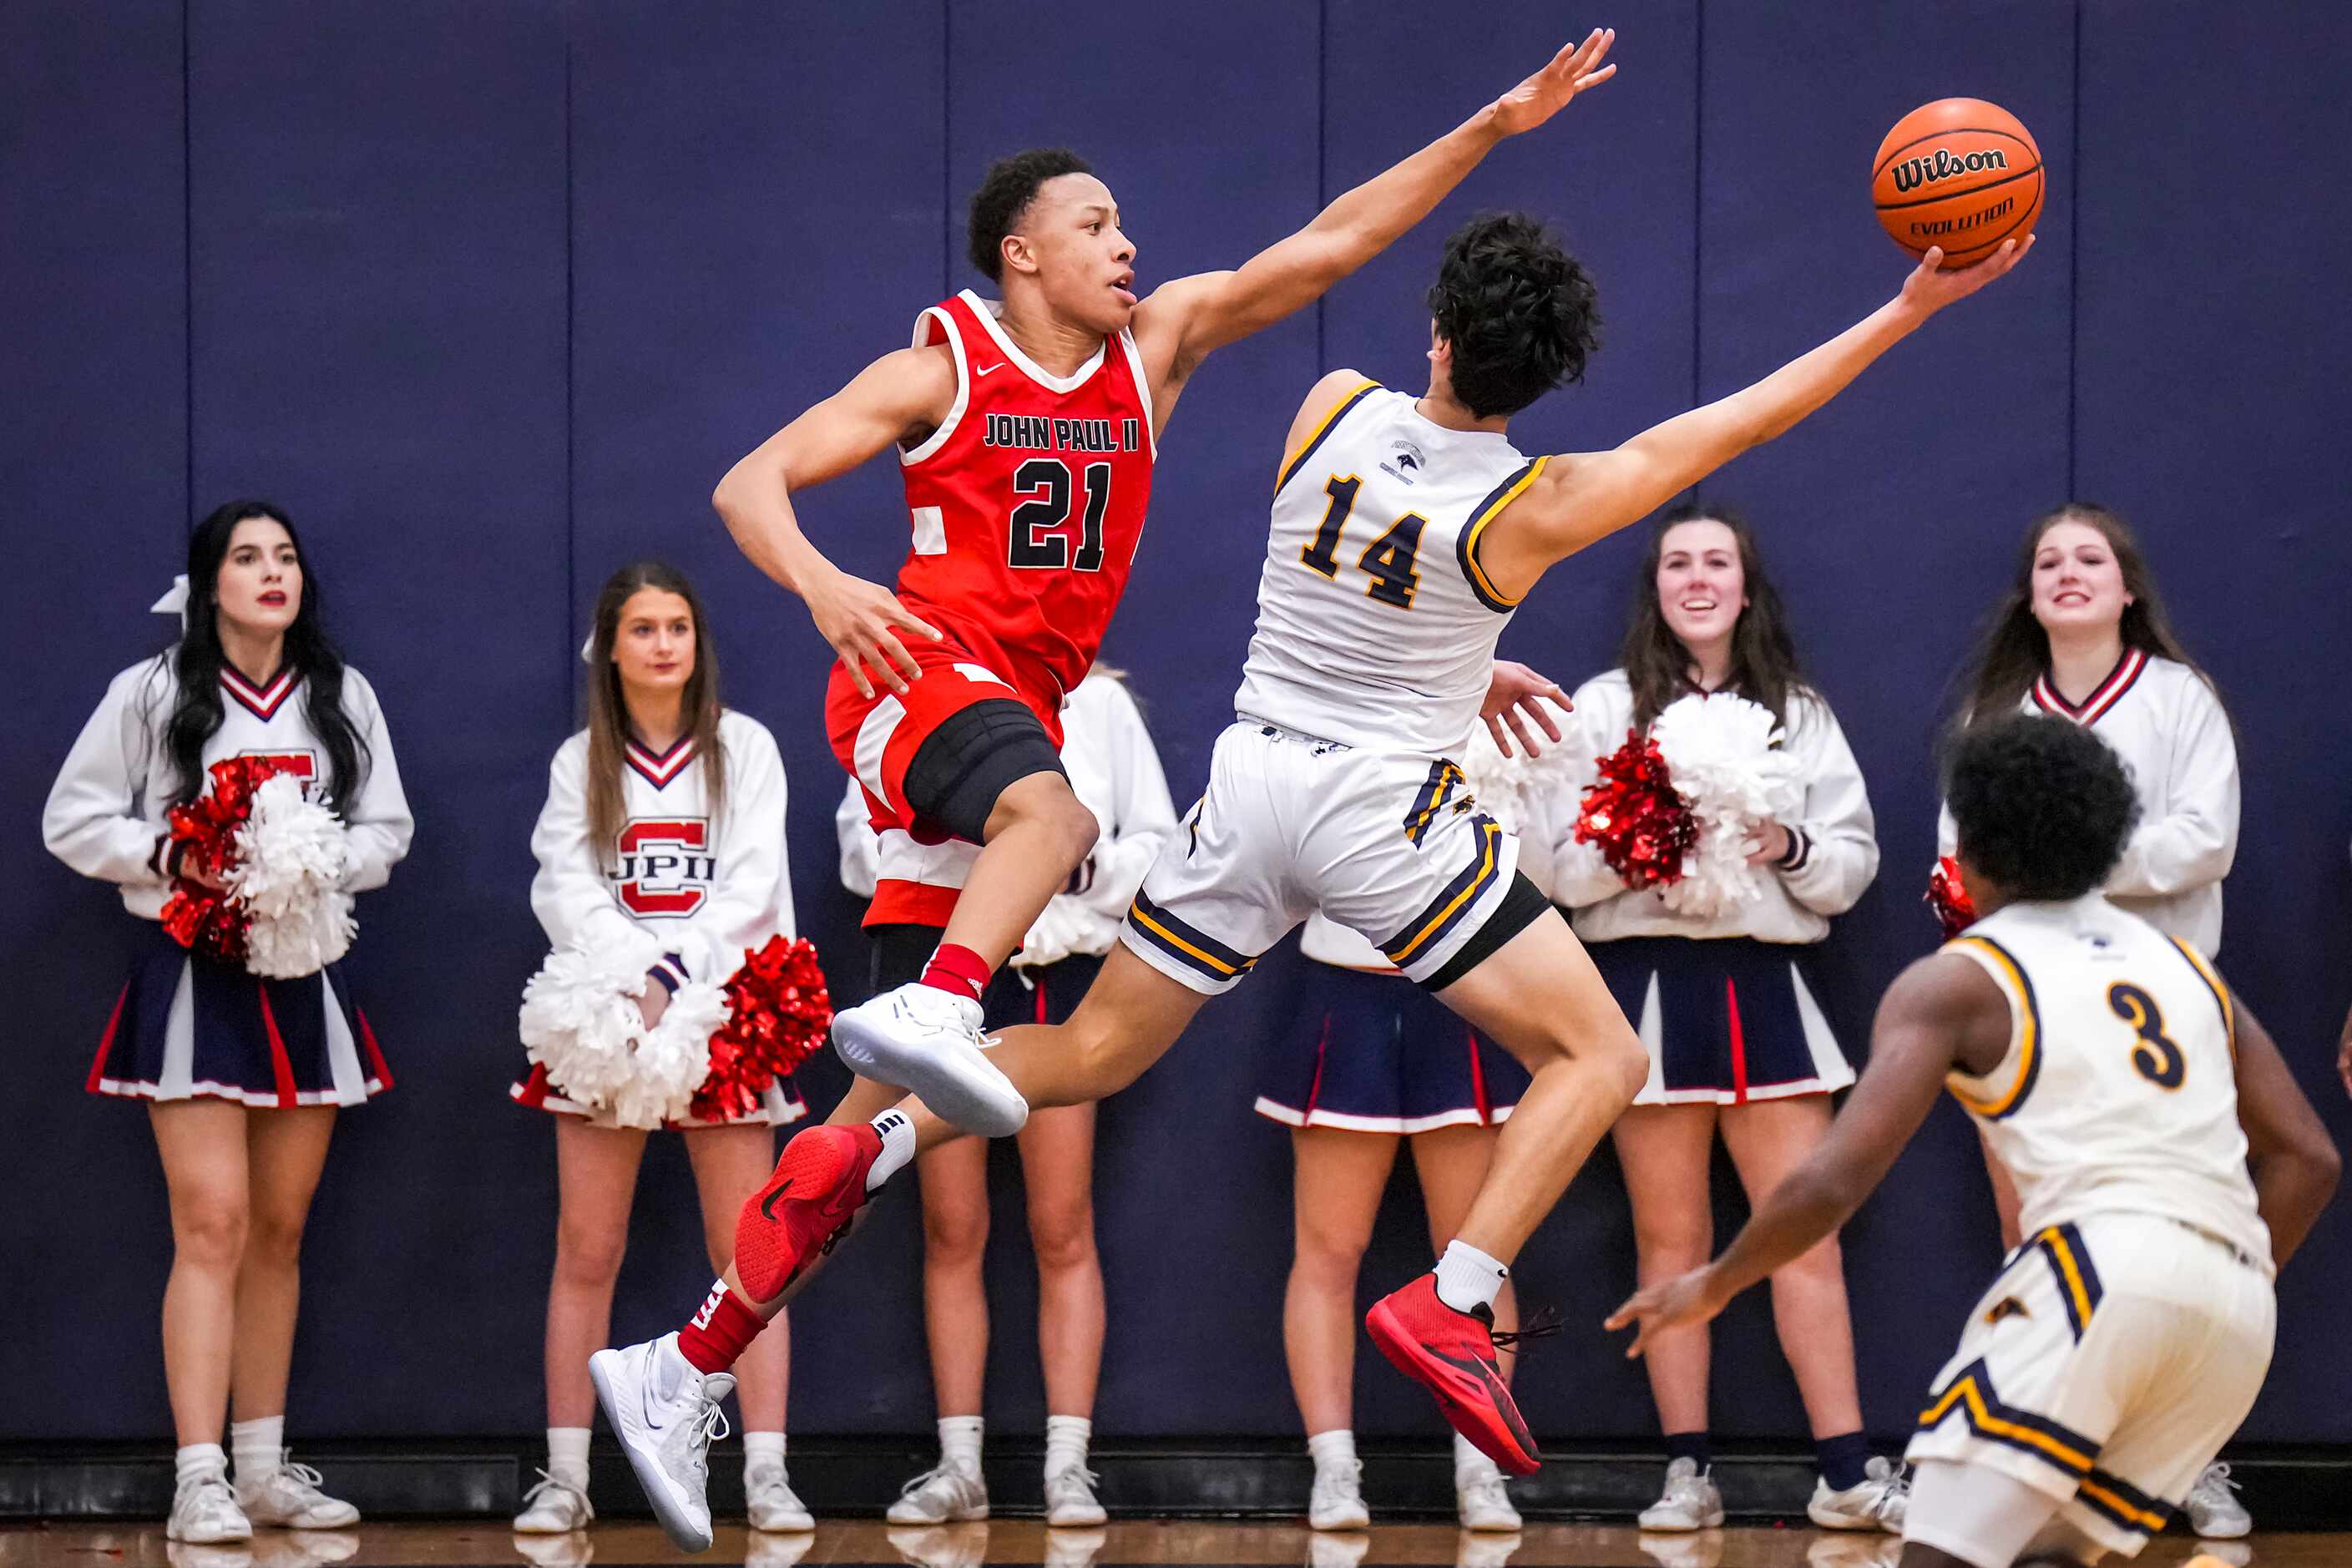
(1028, 502)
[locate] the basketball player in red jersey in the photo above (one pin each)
(1026, 432)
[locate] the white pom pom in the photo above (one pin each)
(580, 1020)
(1726, 761)
(1503, 785)
(290, 857)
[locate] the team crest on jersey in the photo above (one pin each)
(665, 867)
(1404, 461)
(302, 764)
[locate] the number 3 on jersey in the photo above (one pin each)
(2157, 1057)
(1388, 560)
(1042, 487)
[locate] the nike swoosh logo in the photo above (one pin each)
(645, 1401)
(768, 1203)
(989, 369)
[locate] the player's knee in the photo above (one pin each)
(1676, 1239)
(955, 1235)
(209, 1231)
(1062, 1235)
(1328, 1257)
(273, 1237)
(1623, 1061)
(590, 1256)
(1045, 804)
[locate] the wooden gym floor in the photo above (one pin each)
(624, 1545)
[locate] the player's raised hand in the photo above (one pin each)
(1516, 689)
(862, 621)
(1547, 91)
(1929, 288)
(1670, 1303)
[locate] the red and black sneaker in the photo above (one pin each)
(817, 1189)
(1453, 1355)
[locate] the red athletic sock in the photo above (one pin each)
(718, 1333)
(958, 971)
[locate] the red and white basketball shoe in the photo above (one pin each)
(1453, 1355)
(817, 1188)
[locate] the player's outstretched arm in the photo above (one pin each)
(1189, 317)
(2294, 1164)
(899, 397)
(1940, 1012)
(1584, 497)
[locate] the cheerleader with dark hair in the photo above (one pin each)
(661, 856)
(2082, 635)
(243, 1061)
(1713, 970)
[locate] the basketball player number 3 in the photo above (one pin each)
(1034, 546)
(2157, 1057)
(1388, 560)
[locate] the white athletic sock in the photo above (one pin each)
(1467, 1278)
(898, 1132)
(1065, 1443)
(258, 1446)
(198, 1459)
(1470, 1466)
(959, 1442)
(567, 1456)
(1336, 1447)
(763, 1448)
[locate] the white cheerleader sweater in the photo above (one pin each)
(1115, 772)
(2174, 738)
(689, 891)
(105, 815)
(1833, 849)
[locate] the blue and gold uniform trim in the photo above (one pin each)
(1291, 465)
(1446, 912)
(2222, 997)
(2119, 1502)
(1466, 543)
(1970, 1392)
(1194, 949)
(2061, 1247)
(2012, 977)
(1444, 778)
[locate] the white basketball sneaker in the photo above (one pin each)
(205, 1512)
(1338, 1501)
(1070, 1501)
(769, 1502)
(2213, 1509)
(926, 1042)
(553, 1506)
(665, 1413)
(1480, 1499)
(288, 1497)
(1689, 1503)
(944, 1494)
(1877, 1503)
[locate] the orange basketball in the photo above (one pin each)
(1960, 172)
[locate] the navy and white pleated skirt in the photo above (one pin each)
(1726, 1020)
(1369, 1052)
(186, 1027)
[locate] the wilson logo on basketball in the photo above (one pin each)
(663, 869)
(1940, 164)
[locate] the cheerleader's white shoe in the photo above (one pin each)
(771, 1504)
(1480, 1501)
(553, 1506)
(205, 1512)
(288, 1497)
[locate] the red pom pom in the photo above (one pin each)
(1947, 895)
(203, 918)
(778, 1015)
(1643, 828)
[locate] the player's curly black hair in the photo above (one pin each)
(2043, 806)
(1005, 192)
(1519, 310)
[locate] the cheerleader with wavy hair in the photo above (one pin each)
(243, 1067)
(2082, 635)
(661, 852)
(1719, 991)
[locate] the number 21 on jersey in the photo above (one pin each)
(1388, 561)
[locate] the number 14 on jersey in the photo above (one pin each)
(1388, 561)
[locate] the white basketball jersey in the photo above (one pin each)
(1376, 625)
(2119, 1090)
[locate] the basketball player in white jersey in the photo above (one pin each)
(1404, 531)
(2128, 1092)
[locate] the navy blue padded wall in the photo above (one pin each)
(378, 277)
(736, 258)
(1886, 520)
(95, 448)
(2209, 410)
(1202, 120)
(1616, 173)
